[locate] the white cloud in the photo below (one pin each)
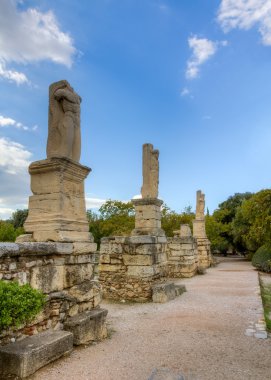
(11, 75)
(202, 50)
(14, 177)
(30, 36)
(8, 121)
(14, 158)
(245, 14)
(94, 202)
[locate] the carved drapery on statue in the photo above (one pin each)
(64, 136)
(57, 209)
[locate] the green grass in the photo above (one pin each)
(266, 298)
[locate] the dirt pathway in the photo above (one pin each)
(200, 335)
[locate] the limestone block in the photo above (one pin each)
(25, 357)
(25, 238)
(88, 326)
(49, 278)
(104, 259)
(163, 292)
(82, 292)
(58, 203)
(80, 248)
(63, 235)
(137, 260)
(141, 271)
(109, 268)
(48, 248)
(76, 274)
(143, 239)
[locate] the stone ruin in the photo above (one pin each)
(132, 268)
(58, 254)
(199, 233)
(182, 253)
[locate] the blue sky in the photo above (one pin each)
(192, 77)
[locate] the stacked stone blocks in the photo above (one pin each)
(130, 265)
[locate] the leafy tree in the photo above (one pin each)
(114, 218)
(8, 232)
(216, 232)
(252, 224)
(18, 218)
(171, 220)
(220, 229)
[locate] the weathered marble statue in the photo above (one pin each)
(64, 137)
(150, 172)
(57, 210)
(200, 207)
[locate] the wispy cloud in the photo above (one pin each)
(14, 157)
(245, 14)
(30, 36)
(14, 177)
(94, 202)
(12, 75)
(185, 92)
(9, 122)
(202, 50)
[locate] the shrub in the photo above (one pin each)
(262, 255)
(249, 256)
(18, 304)
(266, 266)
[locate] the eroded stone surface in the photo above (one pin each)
(25, 357)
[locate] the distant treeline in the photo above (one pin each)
(241, 224)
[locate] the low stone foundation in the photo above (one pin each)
(182, 257)
(63, 271)
(129, 266)
(204, 253)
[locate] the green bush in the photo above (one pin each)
(261, 256)
(18, 304)
(249, 256)
(266, 266)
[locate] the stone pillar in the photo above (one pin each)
(57, 210)
(130, 266)
(199, 233)
(148, 208)
(58, 245)
(182, 253)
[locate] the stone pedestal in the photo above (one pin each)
(182, 254)
(203, 244)
(130, 266)
(57, 210)
(148, 217)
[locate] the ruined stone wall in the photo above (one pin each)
(129, 266)
(182, 257)
(204, 252)
(63, 271)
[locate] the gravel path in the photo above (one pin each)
(200, 334)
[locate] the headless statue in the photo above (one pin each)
(64, 135)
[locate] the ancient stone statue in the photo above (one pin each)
(150, 172)
(64, 136)
(200, 205)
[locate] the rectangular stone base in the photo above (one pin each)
(57, 209)
(129, 266)
(87, 327)
(25, 357)
(147, 217)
